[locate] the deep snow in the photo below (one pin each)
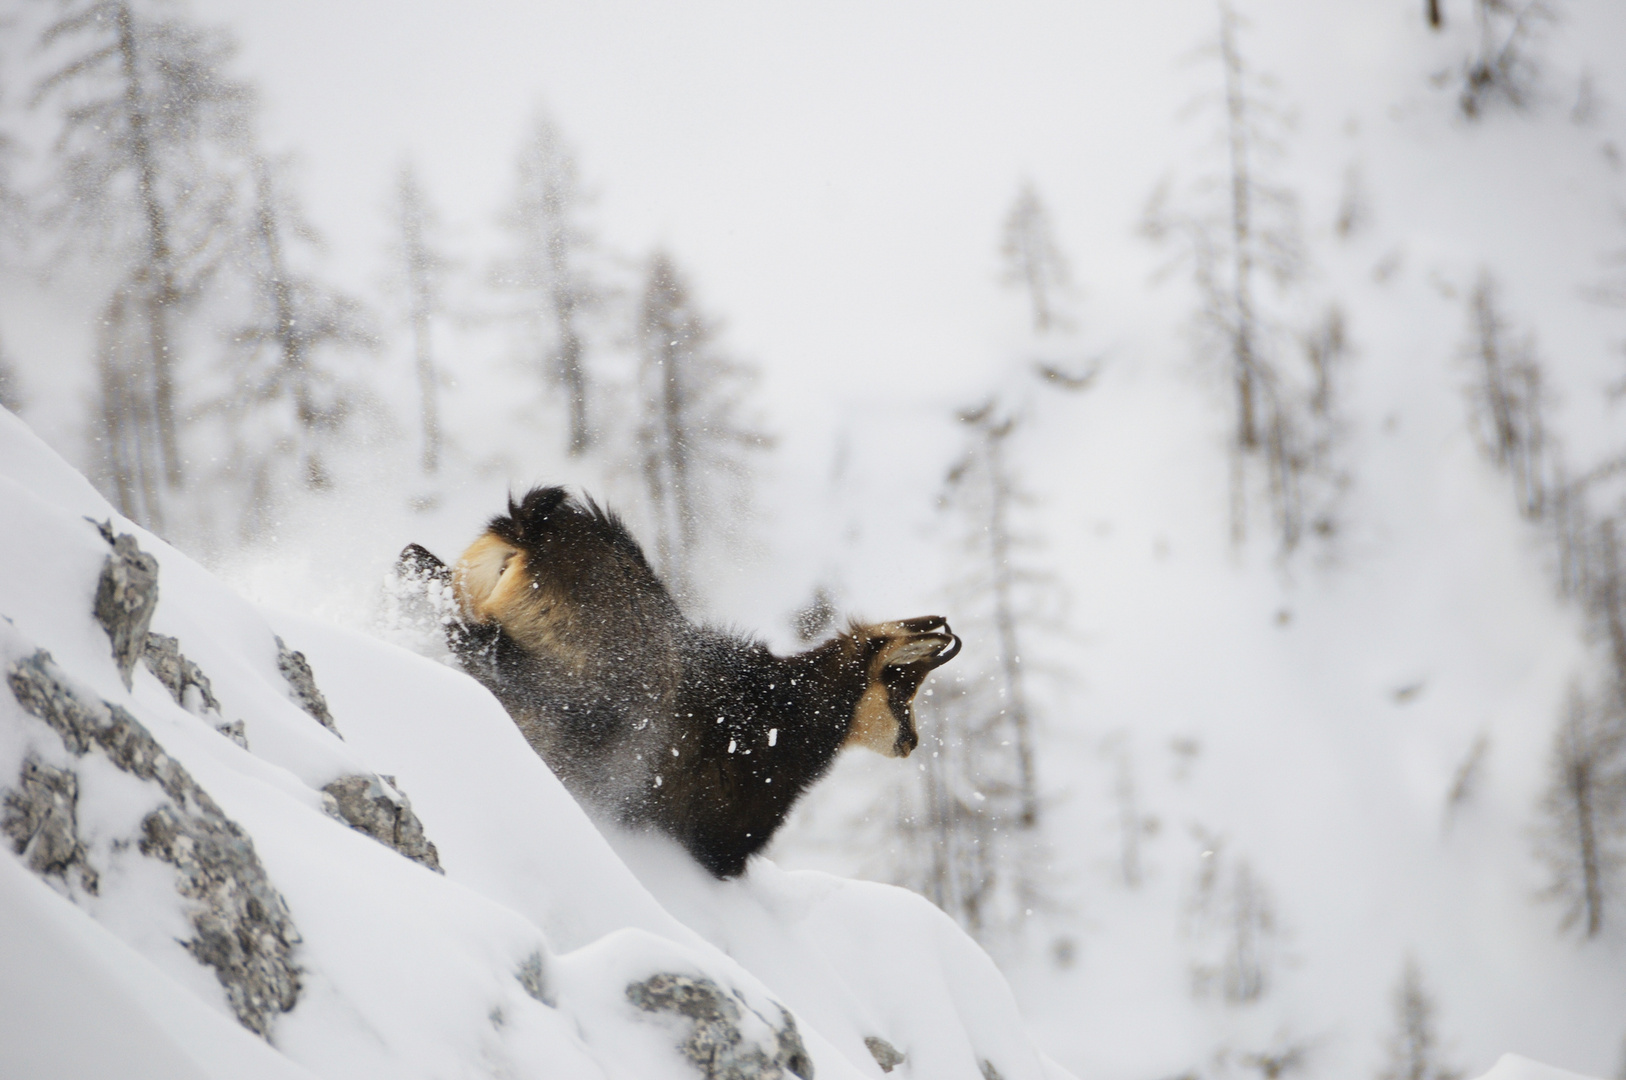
(851, 247)
(405, 972)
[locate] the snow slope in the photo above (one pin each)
(405, 972)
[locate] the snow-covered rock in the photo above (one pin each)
(181, 895)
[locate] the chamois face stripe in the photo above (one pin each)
(875, 727)
(905, 652)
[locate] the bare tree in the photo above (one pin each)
(1134, 827)
(1255, 245)
(695, 442)
(124, 426)
(1466, 780)
(1033, 260)
(280, 373)
(968, 819)
(1584, 810)
(1507, 398)
(1283, 1059)
(814, 619)
(1239, 233)
(423, 269)
(1502, 66)
(1234, 924)
(952, 816)
(983, 486)
(13, 227)
(1414, 1046)
(547, 268)
(147, 114)
(1605, 599)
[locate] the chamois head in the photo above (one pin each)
(896, 657)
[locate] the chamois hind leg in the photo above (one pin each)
(902, 654)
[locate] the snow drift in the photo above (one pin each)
(245, 844)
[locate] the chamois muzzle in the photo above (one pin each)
(925, 644)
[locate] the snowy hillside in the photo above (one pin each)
(190, 884)
(1301, 694)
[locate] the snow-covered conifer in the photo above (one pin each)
(148, 124)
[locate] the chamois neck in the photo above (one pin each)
(830, 678)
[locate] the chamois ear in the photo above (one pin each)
(905, 652)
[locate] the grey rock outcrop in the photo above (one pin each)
(715, 1044)
(40, 815)
(297, 671)
(376, 805)
(988, 1070)
(178, 674)
(188, 685)
(887, 1056)
(243, 929)
(126, 597)
(234, 731)
(532, 976)
(242, 926)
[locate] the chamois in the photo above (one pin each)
(647, 717)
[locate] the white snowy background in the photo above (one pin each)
(834, 178)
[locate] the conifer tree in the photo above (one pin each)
(1414, 1046)
(148, 123)
(422, 268)
(983, 485)
(1239, 233)
(1508, 398)
(1032, 258)
(952, 817)
(285, 390)
(546, 268)
(1234, 927)
(13, 223)
(1503, 66)
(968, 817)
(1583, 834)
(696, 442)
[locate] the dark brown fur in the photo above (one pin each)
(649, 717)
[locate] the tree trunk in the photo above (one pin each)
(1005, 626)
(157, 273)
(571, 372)
(427, 388)
(1243, 331)
(1587, 838)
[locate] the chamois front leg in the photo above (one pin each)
(469, 642)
